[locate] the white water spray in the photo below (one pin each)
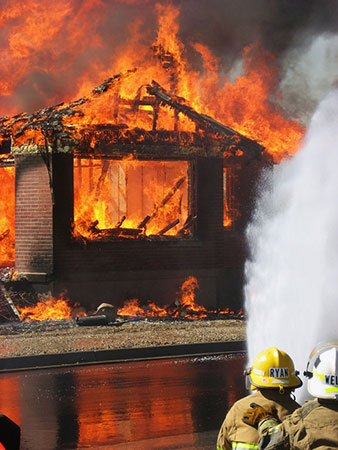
(292, 275)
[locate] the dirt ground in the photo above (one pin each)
(62, 336)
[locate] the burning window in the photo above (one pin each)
(129, 198)
(230, 209)
(227, 221)
(7, 216)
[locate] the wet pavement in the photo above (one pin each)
(166, 404)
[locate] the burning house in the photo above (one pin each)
(146, 182)
(130, 206)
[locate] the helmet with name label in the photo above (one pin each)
(273, 368)
(322, 371)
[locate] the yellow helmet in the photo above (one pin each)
(273, 368)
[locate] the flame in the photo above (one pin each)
(121, 194)
(249, 111)
(50, 38)
(62, 45)
(7, 213)
(186, 300)
(51, 308)
(184, 306)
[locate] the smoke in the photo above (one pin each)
(309, 73)
(291, 289)
(47, 49)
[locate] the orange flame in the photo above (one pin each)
(35, 32)
(51, 308)
(7, 221)
(46, 39)
(184, 307)
(126, 192)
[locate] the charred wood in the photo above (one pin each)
(166, 199)
(188, 224)
(120, 222)
(204, 121)
(144, 222)
(170, 194)
(175, 308)
(104, 171)
(4, 234)
(168, 227)
(117, 232)
(155, 116)
(8, 310)
(92, 227)
(50, 119)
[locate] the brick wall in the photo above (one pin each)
(33, 216)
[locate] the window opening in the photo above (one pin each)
(128, 198)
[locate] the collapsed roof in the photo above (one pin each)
(66, 127)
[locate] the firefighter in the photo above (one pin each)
(272, 377)
(315, 424)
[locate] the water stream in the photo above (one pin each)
(291, 289)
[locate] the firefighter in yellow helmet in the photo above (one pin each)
(315, 424)
(272, 377)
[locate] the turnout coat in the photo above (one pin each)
(234, 433)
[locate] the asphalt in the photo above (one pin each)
(120, 355)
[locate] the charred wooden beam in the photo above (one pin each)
(47, 160)
(104, 172)
(155, 116)
(111, 82)
(117, 232)
(170, 194)
(92, 228)
(175, 308)
(188, 224)
(166, 199)
(168, 227)
(8, 310)
(144, 222)
(4, 234)
(50, 119)
(120, 222)
(205, 122)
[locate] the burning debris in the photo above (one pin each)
(183, 308)
(8, 311)
(50, 127)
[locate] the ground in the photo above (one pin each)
(63, 336)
